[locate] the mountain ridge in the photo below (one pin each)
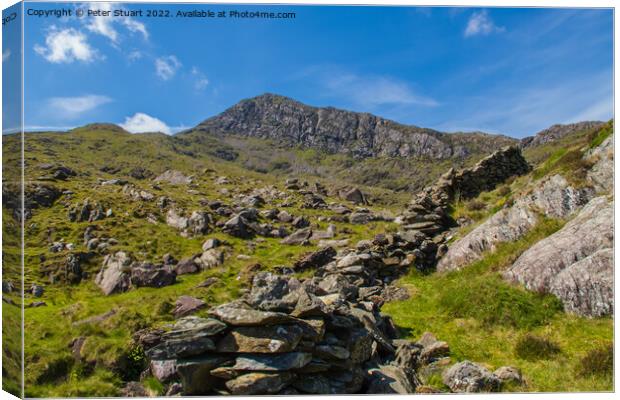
(330, 129)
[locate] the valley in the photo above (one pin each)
(279, 248)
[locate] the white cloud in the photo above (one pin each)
(72, 107)
(140, 123)
(481, 24)
(372, 91)
(166, 67)
(201, 81)
(134, 55)
(65, 46)
(6, 54)
(105, 25)
(134, 26)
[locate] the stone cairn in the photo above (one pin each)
(321, 335)
(429, 210)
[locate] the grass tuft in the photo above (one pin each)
(533, 347)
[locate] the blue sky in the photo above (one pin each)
(499, 70)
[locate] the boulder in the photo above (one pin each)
(114, 276)
(151, 275)
(173, 177)
(510, 375)
(186, 266)
(211, 244)
(186, 305)
(271, 292)
(284, 216)
(315, 259)
(300, 236)
(561, 261)
(240, 227)
(467, 377)
(355, 196)
(210, 259)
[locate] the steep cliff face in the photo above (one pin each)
(338, 131)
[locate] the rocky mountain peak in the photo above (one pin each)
(333, 130)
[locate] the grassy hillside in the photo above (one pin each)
(108, 359)
(482, 318)
(486, 320)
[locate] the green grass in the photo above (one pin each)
(598, 137)
(482, 318)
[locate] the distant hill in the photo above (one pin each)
(559, 131)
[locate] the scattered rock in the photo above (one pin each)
(467, 377)
(174, 178)
(186, 305)
(114, 276)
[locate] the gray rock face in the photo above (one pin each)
(114, 276)
(601, 175)
(553, 197)
(587, 286)
(571, 263)
(468, 377)
(336, 131)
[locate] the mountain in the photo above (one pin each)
(559, 131)
(332, 130)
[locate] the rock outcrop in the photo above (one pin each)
(601, 175)
(559, 131)
(553, 197)
(575, 263)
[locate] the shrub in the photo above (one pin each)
(532, 347)
(476, 205)
(599, 361)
